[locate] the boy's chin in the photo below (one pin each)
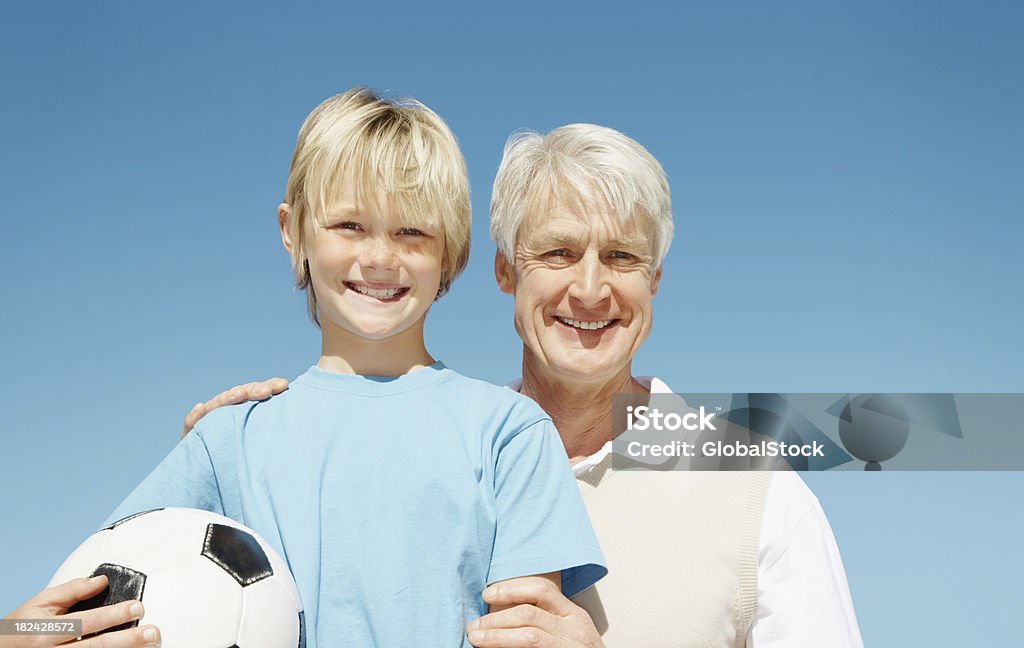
(372, 331)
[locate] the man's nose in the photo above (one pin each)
(590, 283)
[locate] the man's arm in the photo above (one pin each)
(554, 578)
(254, 391)
(803, 596)
(532, 612)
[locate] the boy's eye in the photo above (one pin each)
(410, 231)
(349, 225)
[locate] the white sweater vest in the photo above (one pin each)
(682, 552)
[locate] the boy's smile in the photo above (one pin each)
(378, 291)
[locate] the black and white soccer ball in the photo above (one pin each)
(206, 581)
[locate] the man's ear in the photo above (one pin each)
(655, 280)
(505, 273)
(284, 210)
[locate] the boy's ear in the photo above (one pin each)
(505, 273)
(284, 210)
(655, 280)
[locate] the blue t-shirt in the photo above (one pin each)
(394, 500)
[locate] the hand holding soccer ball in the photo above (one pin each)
(53, 603)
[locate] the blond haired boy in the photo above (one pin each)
(396, 488)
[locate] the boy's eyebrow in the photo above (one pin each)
(343, 211)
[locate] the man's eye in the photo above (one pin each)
(622, 255)
(561, 252)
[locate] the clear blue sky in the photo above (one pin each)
(847, 181)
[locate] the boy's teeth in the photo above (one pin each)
(587, 326)
(383, 293)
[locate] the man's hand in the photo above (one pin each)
(533, 613)
(254, 391)
(53, 603)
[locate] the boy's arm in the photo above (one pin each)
(185, 478)
(532, 611)
(542, 525)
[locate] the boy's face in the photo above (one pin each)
(374, 275)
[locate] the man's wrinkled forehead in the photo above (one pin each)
(576, 221)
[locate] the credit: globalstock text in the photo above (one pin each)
(722, 449)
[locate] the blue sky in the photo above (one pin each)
(847, 187)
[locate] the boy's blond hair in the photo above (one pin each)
(397, 147)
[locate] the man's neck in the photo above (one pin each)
(344, 352)
(581, 412)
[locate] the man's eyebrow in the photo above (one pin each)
(552, 240)
(632, 242)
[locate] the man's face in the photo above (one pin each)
(374, 276)
(583, 283)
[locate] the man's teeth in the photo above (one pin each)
(587, 326)
(382, 293)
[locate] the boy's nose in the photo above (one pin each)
(380, 255)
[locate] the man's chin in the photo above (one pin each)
(573, 368)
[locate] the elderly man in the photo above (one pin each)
(582, 221)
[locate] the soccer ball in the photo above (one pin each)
(206, 581)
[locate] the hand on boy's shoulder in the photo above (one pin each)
(254, 391)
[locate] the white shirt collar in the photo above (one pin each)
(655, 385)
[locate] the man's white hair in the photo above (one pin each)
(584, 162)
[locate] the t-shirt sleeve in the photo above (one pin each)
(185, 478)
(542, 525)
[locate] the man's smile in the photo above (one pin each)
(586, 325)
